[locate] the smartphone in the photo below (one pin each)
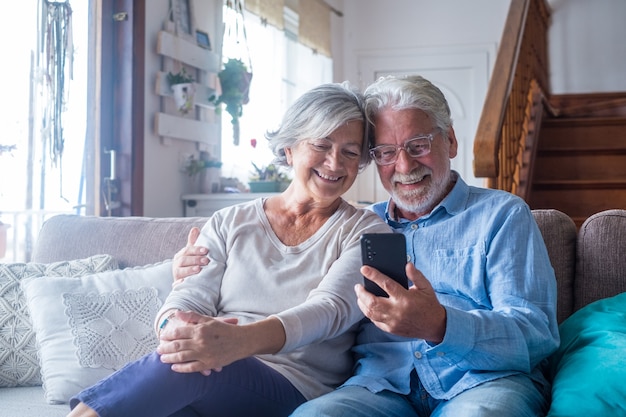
(387, 253)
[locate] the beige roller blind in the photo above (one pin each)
(314, 29)
(314, 19)
(269, 10)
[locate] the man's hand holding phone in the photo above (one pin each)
(387, 253)
(409, 312)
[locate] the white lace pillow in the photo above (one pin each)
(86, 328)
(19, 361)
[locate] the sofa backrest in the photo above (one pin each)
(133, 241)
(588, 265)
(559, 234)
(600, 258)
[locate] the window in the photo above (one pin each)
(29, 193)
(283, 69)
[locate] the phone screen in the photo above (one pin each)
(387, 253)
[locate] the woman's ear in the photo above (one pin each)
(289, 155)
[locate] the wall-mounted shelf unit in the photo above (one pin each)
(200, 124)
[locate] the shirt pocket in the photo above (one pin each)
(459, 274)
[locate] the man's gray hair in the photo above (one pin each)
(411, 92)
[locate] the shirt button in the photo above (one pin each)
(414, 226)
(418, 355)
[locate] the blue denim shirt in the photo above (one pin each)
(484, 255)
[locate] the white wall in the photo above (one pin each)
(587, 46)
(407, 24)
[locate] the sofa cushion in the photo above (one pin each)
(600, 261)
(28, 402)
(559, 234)
(589, 369)
(88, 327)
(19, 362)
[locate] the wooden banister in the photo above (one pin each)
(522, 58)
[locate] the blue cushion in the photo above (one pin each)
(589, 368)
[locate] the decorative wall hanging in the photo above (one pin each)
(57, 51)
(182, 12)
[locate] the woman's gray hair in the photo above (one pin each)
(411, 92)
(317, 114)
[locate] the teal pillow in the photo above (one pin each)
(589, 368)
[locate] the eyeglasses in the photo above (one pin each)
(415, 147)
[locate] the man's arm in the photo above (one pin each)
(190, 259)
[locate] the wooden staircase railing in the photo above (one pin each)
(515, 99)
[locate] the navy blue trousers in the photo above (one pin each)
(148, 387)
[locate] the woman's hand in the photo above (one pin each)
(171, 348)
(190, 259)
(196, 343)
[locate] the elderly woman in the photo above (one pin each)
(274, 309)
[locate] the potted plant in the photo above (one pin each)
(204, 173)
(235, 82)
(184, 89)
(268, 179)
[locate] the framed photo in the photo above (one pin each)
(183, 17)
(202, 38)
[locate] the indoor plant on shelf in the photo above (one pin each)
(268, 179)
(204, 173)
(182, 85)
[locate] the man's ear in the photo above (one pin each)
(454, 145)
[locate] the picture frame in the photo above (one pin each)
(183, 17)
(203, 40)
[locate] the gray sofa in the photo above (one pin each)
(589, 264)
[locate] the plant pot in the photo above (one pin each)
(210, 180)
(184, 96)
(264, 186)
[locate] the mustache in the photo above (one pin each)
(409, 178)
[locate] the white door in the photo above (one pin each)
(462, 74)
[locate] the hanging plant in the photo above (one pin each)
(235, 81)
